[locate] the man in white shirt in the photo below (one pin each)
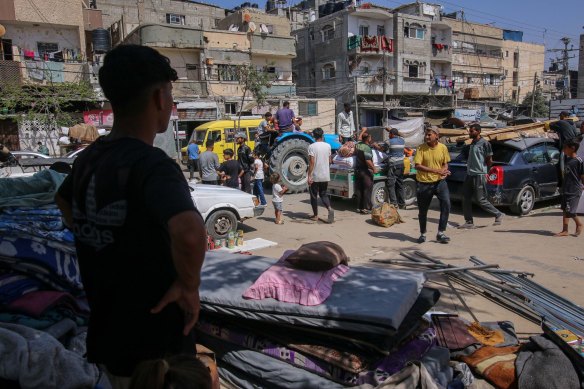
(345, 124)
(319, 174)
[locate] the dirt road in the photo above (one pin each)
(520, 243)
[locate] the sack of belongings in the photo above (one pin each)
(386, 215)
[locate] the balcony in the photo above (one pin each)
(373, 85)
(273, 46)
(441, 52)
(482, 92)
(44, 73)
(189, 88)
(281, 89)
(369, 44)
(442, 87)
(476, 60)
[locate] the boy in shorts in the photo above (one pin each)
(572, 188)
(277, 199)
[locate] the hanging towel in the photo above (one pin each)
(55, 71)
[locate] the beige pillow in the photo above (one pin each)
(318, 256)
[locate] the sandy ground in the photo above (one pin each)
(520, 243)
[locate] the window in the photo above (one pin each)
(308, 108)
(516, 59)
(214, 136)
(515, 78)
(175, 19)
(47, 47)
(536, 154)
(507, 54)
(230, 108)
(363, 30)
(328, 33)
(216, 22)
(413, 71)
(414, 31)
(228, 73)
(6, 49)
(230, 134)
(328, 72)
(364, 69)
(380, 30)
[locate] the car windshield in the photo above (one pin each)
(200, 136)
(502, 153)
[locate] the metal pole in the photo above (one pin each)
(384, 120)
(533, 93)
(356, 104)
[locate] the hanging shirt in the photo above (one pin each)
(345, 124)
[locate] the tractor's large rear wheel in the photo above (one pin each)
(290, 159)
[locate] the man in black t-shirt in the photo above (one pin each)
(564, 128)
(230, 169)
(140, 241)
(245, 160)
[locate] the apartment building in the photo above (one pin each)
(43, 44)
(523, 64)
(374, 53)
(123, 16)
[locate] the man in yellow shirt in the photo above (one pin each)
(431, 162)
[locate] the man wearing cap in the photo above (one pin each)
(245, 161)
(479, 157)
(564, 128)
(431, 163)
(395, 146)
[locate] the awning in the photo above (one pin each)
(196, 105)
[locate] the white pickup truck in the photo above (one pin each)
(223, 207)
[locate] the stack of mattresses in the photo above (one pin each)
(368, 329)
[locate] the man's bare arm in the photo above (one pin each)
(188, 245)
(310, 168)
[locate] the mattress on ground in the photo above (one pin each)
(370, 300)
(251, 369)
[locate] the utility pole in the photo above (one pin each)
(384, 80)
(356, 103)
(533, 93)
(565, 65)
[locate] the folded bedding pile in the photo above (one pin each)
(43, 312)
(368, 328)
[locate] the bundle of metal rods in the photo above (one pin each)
(508, 288)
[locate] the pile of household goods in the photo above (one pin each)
(43, 312)
(310, 321)
(460, 135)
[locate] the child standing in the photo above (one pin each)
(572, 188)
(258, 184)
(230, 170)
(277, 199)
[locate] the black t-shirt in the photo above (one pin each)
(573, 172)
(245, 158)
(565, 130)
(231, 168)
(123, 192)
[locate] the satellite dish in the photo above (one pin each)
(252, 27)
(264, 29)
(233, 27)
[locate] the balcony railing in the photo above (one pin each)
(370, 44)
(189, 88)
(441, 52)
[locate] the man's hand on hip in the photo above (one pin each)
(187, 299)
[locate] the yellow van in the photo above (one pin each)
(222, 132)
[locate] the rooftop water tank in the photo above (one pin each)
(101, 40)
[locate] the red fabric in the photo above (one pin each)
(386, 44)
(37, 303)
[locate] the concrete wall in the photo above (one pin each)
(280, 25)
(226, 40)
(26, 36)
(167, 36)
(154, 11)
(283, 66)
(410, 51)
(179, 58)
(49, 14)
(531, 62)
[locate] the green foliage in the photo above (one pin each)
(540, 105)
(256, 82)
(50, 104)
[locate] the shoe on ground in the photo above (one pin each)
(331, 216)
(422, 239)
(358, 210)
(403, 207)
(365, 212)
(441, 238)
(499, 219)
(467, 226)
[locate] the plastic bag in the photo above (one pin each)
(386, 215)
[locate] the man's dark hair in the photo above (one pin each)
(286, 104)
(267, 114)
(127, 74)
(209, 143)
(572, 143)
(347, 105)
(565, 113)
(476, 126)
(317, 133)
(228, 152)
(394, 132)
